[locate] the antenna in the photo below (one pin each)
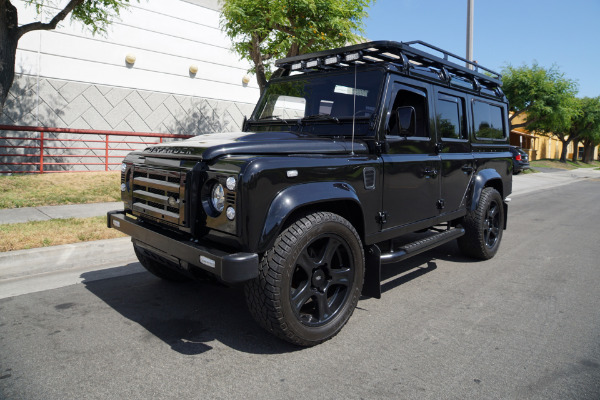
(353, 110)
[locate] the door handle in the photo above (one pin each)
(429, 172)
(467, 168)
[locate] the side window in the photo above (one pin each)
(410, 98)
(488, 120)
(449, 117)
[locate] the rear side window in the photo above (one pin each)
(449, 117)
(488, 120)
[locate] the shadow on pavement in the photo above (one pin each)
(186, 316)
(394, 275)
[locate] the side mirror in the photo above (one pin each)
(407, 120)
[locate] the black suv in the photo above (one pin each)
(347, 152)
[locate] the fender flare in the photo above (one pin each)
(481, 181)
(292, 198)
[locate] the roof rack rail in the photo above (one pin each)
(405, 55)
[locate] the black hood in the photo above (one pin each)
(214, 145)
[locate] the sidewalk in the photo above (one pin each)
(49, 267)
(528, 183)
(27, 214)
(45, 268)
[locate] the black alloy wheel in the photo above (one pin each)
(483, 226)
(492, 224)
(322, 280)
(310, 281)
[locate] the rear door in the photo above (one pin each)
(457, 162)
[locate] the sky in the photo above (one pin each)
(565, 34)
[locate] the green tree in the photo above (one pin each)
(95, 14)
(544, 99)
(263, 31)
(560, 123)
(587, 124)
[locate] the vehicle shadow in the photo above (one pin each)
(397, 274)
(186, 316)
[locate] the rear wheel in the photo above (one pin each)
(483, 226)
(310, 281)
(158, 268)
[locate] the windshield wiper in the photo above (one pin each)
(320, 117)
(277, 117)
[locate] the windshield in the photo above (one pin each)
(321, 96)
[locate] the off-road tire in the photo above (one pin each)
(155, 267)
(483, 226)
(327, 245)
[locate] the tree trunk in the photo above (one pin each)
(588, 152)
(575, 155)
(9, 38)
(259, 66)
(563, 153)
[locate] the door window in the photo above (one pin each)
(416, 99)
(449, 117)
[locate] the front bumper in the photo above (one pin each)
(230, 268)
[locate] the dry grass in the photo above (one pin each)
(54, 232)
(56, 189)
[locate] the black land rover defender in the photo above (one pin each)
(346, 153)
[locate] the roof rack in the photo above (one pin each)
(404, 55)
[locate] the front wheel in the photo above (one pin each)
(310, 281)
(483, 226)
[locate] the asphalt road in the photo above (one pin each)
(524, 325)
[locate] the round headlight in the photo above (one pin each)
(217, 197)
(123, 167)
(230, 213)
(230, 183)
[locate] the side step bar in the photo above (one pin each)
(374, 258)
(414, 248)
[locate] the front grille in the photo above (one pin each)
(159, 195)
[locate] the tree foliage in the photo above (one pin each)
(587, 126)
(544, 99)
(539, 94)
(96, 15)
(263, 31)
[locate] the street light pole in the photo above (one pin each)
(470, 4)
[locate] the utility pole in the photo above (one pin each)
(470, 32)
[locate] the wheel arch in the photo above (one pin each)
(485, 178)
(488, 178)
(299, 200)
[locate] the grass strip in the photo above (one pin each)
(57, 189)
(548, 163)
(54, 232)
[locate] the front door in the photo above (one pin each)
(411, 187)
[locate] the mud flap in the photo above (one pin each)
(372, 283)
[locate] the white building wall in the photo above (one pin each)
(68, 78)
(166, 37)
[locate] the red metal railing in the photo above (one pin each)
(40, 151)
